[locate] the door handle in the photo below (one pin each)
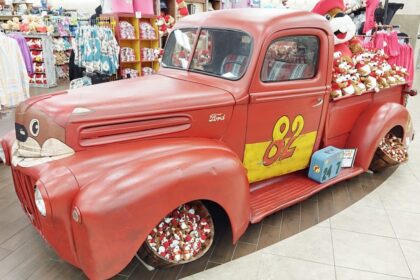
(320, 101)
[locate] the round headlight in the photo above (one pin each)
(39, 202)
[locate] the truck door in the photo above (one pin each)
(288, 96)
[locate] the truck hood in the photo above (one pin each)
(50, 127)
(135, 97)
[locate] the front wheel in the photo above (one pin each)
(183, 236)
(390, 152)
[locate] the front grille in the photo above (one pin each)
(25, 188)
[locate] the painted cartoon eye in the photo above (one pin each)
(34, 127)
(328, 17)
(338, 15)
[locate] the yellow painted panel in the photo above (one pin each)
(254, 154)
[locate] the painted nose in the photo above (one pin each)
(21, 132)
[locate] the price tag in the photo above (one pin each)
(349, 155)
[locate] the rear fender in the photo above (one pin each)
(121, 207)
(373, 125)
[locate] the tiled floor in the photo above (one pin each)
(377, 236)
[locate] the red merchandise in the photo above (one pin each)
(342, 25)
(371, 6)
(182, 8)
(324, 6)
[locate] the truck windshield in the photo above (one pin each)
(219, 52)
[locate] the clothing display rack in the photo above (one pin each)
(43, 59)
(90, 58)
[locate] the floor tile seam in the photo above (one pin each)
(24, 262)
(296, 258)
(6, 250)
(410, 189)
(23, 228)
(207, 264)
(348, 194)
(300, 218)
(398, 241)
(365, 206)
(154, 274)
(132, 271)
(248, 243)
(14, 266)
(259, 235)
(409, 240)
(259, 267)
(333, 249)
(357, 205)
(415, 174)
(363, 233)
(374, 272)
(212, 251)
(360, 232)
(403, 211)
(179, 272)
(234, 250)
(317, 210)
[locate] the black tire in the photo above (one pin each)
(381, 161)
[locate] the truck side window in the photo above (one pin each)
(180, 48)
(291, 58)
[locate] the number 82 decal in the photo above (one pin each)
(280, 147)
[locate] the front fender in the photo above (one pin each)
(124, 203)
(372, 126)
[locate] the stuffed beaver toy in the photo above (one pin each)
(342, 26)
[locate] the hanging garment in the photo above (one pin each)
(75, 72)
(399, 53)
(14, 80)
(97, 50)
(24, 48)
(371, 6)
(392, 9)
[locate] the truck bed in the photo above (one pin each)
(344, 112)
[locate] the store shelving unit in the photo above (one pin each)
(150, 43)
(47, 77)
(137, 43)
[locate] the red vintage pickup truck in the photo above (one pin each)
(97, 168)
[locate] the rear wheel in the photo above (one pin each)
(183, 236)
(391, 151)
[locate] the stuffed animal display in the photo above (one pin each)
(165, 24)
(182, 8)
(355, 70)
(181, 235)
(13, 25)
(342, 25)
(29, 24)
(366, 71)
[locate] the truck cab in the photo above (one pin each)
(241, 104)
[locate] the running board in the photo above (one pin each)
(271, 196)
